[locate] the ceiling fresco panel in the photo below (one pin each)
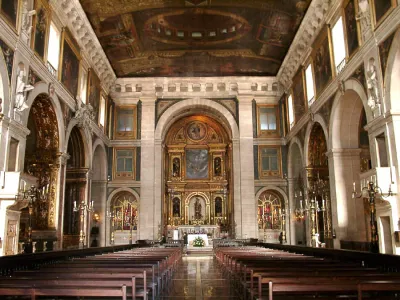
(195, 37)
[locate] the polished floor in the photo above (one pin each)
(199, 278)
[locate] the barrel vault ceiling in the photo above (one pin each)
(145, 38)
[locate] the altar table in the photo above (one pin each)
(191, 237)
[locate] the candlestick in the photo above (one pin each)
(74, 204)
(354, 186)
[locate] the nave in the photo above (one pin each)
(246, 272)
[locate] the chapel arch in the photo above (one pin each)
(270, 209)
(296, 186)
(198, 171)
(123, 217)
(99, 192)
(75, 188)
(41, 162)
(316, 196)
(392, 75)
(350, 156)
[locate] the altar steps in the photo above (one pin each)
(200, 251)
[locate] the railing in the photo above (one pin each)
(51, 69)
(340, 66)
(311, 101)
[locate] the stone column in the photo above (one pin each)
(393, 132)
(4, 124)
(63, 157)
(344, 169)
(248, 207)
(290, 213)
(147, 221)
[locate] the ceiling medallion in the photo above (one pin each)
(196, 131)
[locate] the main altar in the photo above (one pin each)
(206, 232)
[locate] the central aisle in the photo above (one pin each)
(198, 278)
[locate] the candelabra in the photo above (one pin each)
(372, 190)
(82, 208)
(111, 216)
(300, 213)
(283, 216)
(32, 195)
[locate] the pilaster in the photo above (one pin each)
(150, 206)
(248, 205)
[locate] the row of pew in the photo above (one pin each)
(140, 273)
(260, 273)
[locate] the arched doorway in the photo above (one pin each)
(296, 192)
(124, 218)
(270, 208)
(317, 196)
(41, 162)
(197, 172)
(75, 188)
(350, 161)
(99, 193)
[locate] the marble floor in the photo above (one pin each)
(197, 278)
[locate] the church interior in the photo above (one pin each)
(202, 136)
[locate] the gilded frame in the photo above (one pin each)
(376, 22)
(267, 133)
(93, 78)
(358, 28)
(6, 19)
(66, 37)
(269, 174)
(300, 73)
(47, 8)
(133, 134)
(323, 36)
(116, 175)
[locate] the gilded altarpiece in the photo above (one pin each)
(318, 195)
(197, 174)
(41, 160)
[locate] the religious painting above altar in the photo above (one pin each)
(196, 163)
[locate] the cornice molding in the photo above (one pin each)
(306, 34)
(72, 15)
(189, 87)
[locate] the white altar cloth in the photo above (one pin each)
(191, 237)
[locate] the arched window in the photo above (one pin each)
(269, 211)
(124, 209)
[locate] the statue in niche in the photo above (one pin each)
(176, 167)
(217, 166)
(372, 84)
(365, 17)
(176, 212)
(218, 207)
(197, 210)
(21, 89)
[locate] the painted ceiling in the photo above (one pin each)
(195, 37)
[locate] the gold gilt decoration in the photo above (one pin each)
(196, 172)
(41, 158)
